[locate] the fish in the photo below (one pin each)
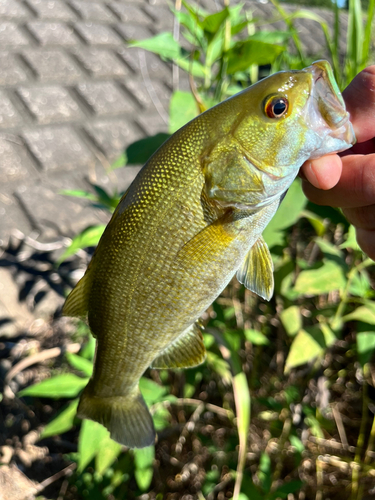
(192, 219)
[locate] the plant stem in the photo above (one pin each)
(356, 491)
(282, 440)
(319, 480)
(344, 297)
(371, 440)
(293, 31)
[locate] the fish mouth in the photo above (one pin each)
(326, 113)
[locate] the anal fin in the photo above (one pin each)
(187, 351)
(256, 272)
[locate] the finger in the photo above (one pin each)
(366, 240)
(361, 217)
(359, 97)
(356, 187)
(323, 173)
(361, 148)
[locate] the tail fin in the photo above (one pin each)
(126, 417)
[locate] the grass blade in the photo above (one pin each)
(368, 33)
(242, 401)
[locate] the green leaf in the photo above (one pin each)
(151, 391)
(140, 151)
(271, 36)
(163, 44)
(190, 22)
(161, 417)
(209, 340)
(220, 366)
(182, 109)
(143, 461)
(255, 337)
(78, 194)
(211, 480)
(285, 489)
(248, 52)
(63, 422)
(312, 422)
(243, 405)
(195, 68)
(107, 453)
(91, 437)
(316, 222)
(235, 14)
(290, 208)
(212, 23)
(325, 279)
(237, 28)
(119, 162)
(291, 394)
(287, 214)
(88, 350)
(362, 313)
(308, 344)
(215, 49)
(360, 284)
(351, 240)
(232, 340)
(329, 249)
(297, 443)
(194, 10)
(305, 347)
(264, 473)
(329, 337)
(144, 457)
(249, 489)
(365, 346)
(242, 393)
(105, 199)
(80, 363)
(66, 385)
(291, 319)
(87, 238)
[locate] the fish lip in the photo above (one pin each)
(326, 111)
(326, 95)
(343, 121)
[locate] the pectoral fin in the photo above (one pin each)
(256, 272)
(187, 351)
(207, 245)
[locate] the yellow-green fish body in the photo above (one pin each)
(194, 216)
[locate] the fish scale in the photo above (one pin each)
(194, 216)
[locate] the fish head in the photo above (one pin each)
(280, 122)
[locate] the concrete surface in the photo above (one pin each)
(72, 97)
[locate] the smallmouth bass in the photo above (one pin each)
(191, 219)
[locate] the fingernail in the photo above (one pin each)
(311, 177)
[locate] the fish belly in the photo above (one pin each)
(143, 299)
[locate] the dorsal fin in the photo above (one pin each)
(77, 302)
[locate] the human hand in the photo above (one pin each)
(348, 180)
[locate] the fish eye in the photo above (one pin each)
(276, 107)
